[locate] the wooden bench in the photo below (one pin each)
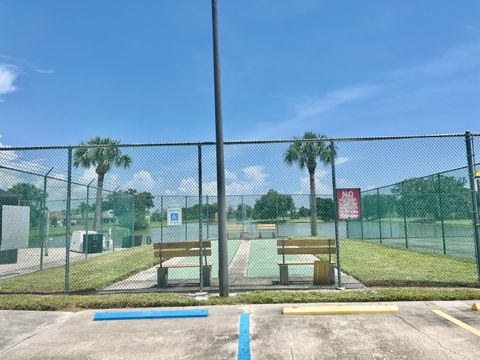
(323, 270)
(235, 228)
(168, 251)
(268, 228)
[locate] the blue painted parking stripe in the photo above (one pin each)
(151, 314)
(244, 337)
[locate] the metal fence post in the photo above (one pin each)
(133, 202)
(404, 210)
(243, 213)
(440, 204)
(208, 217)
(161, 219)
(334, 189)
(68, 219)
(379, 215)
(200, 210)
(185, 220)
(471, 175)
(42, 224)
(276, 211)
(361, 228)
(221, 197)
(88, 210)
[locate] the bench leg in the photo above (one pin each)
(162, 277)
(323, 273)
(207, 275)
(283, 274)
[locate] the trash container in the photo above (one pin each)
(94, 244)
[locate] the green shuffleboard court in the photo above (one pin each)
(193, 272)
(263, 261)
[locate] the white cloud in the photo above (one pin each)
(88, 175)
(323, 185)
(341, 160)
(306, 110)
(26, 63)
(251, 180)
(314, 106)
(461, 58)
(8, 75)
(12, 159)
(141, 181)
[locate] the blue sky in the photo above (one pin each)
(142, 72)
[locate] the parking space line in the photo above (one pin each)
(341, 310)
(244, 337)
(458, 322)
(150, 314)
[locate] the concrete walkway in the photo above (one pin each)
(237, 271)
(416, 333)
(18, 326)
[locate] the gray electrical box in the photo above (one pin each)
(14, 231)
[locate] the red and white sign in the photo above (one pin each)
(348, 204)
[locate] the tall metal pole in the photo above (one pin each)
(471, 175)
(404, 210)
(43, 225)
(334, 189)
(222, 216)
(440, 203)
(161, 219)
(114, 216)
(208, 218)
(379, 215)
(86, 218)
(200, 210)
(69, 222)
(185, 220)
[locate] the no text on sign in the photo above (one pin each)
(349, 204)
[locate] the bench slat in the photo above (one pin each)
(181, 265)
(306, 251)
(296, 263)
(235, 227)
(182, 245)
(307, 242)
(267, 227)
(182, 253)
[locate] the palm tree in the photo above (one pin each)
(306, 154)
(103, 154)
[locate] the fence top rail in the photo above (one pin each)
(241, 142)
(50, 177)
(440, 173)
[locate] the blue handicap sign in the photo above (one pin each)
(174, 216)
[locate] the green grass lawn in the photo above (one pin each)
(90, 274)
(110, 301)
(378, 265)
(373, 264)
(193, 273)
(263, 261)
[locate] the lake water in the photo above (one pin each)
(451, 239)
(191, 231)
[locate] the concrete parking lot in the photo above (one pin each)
(415, 333)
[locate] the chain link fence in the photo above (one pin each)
(147, 225)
